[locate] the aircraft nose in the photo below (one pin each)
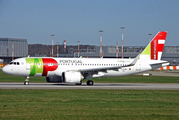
(5, 69)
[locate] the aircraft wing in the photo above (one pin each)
(100, 69)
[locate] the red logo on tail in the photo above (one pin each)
(157, 45)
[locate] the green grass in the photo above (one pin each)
(89, 104)
(126, 79)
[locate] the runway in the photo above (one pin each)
(120, 86)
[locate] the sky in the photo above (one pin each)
(81, 20)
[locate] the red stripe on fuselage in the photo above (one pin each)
(49, 64)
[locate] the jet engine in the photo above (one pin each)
(72, 77)
(67, 77)
(54, 79)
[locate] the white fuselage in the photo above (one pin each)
(76, 64)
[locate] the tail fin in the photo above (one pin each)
(155, 48)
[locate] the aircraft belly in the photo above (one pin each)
(20, 72)
(125, 72)
(38, 74)
(50, 73)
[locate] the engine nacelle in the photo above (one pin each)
(54, 79)
(72, 77)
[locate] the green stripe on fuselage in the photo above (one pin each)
(36, 65)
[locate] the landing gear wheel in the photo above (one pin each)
(26, 83)
(89, 82)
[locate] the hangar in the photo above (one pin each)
(11, 48)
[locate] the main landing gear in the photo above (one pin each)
(89, 82)
(26, 81)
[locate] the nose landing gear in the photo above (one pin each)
(26, 81)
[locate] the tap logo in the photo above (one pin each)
(41, 66)
(155, 47)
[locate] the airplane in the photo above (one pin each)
(74, 70)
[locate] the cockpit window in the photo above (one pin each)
(14, 63)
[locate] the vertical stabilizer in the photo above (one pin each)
(155, 48)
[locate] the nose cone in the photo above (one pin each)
(5, 69)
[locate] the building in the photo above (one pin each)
(11, 48)
(1, 63)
